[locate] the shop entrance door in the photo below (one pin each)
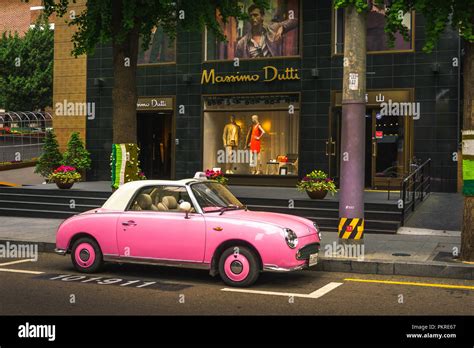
(154, 141)
(387, 148)
(390, 150)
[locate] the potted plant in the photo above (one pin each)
(50, 158)
(65, 177)
(217, 176)
(76, 154)
(316, 184)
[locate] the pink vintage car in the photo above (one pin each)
(190, 223)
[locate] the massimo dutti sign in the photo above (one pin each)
(152, 104)
(269, 74)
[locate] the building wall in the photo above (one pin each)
(69, 83)
(436, 132)
(15, 15)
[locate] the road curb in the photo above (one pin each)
(419, 269)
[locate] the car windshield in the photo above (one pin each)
(213, 196)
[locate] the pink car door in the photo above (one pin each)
(160, 230)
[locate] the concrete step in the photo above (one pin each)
(54, 192)
(327, 212)
(59, 207)
(27, 197)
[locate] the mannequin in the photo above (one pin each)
(230, 138)
(254, 135)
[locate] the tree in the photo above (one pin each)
(51, 158)
(459, 14)
(121, 23)
(26, 68)
(352, 178)
(76, 155)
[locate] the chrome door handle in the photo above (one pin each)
(129, 223)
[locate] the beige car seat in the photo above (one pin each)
(170, 203)
(145, 202)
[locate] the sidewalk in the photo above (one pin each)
(420, 252)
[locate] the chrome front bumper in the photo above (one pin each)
(273, 268)
(60, 251)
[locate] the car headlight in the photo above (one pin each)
(291, 238)
(317, 229)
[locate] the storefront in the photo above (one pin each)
(265, 106)
(252, 136)
(389, 137)
(154, 134)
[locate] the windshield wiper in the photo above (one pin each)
(229, 207)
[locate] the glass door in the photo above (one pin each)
(389, 144)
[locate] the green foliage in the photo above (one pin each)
(360, 5)
(76, 155)
(26, 68)
(65, 175)
(95, 25)
(438, 14)
(51, 158)
(317, 180)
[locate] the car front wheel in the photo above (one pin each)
(86, 255)
(238, 266)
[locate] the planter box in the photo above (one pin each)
(17, 165)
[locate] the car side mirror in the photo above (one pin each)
(185, 207)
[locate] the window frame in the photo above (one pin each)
(300, 44)
(143, 188)
(334, 52)
(175, 48)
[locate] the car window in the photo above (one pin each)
(163, 198)
(212, 196)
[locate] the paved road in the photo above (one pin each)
(27, 288)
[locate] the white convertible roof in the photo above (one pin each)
(120, 198)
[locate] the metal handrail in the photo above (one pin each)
(420, 182)
(417, 169)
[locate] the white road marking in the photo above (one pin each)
(315, 294)
(19, 271)
(15, 262)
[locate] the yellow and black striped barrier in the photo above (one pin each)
(351, 228)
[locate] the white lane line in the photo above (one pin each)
(315, 294)
(15, 262)
(19, 271)
(324, 290)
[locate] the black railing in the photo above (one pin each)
(415, 188)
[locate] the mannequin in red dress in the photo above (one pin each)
(253, 142)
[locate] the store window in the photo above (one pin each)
(377, 40)
(162, 49)
(272, 32)
(252, 134)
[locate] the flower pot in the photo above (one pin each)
(317, 194)
(64, 185)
